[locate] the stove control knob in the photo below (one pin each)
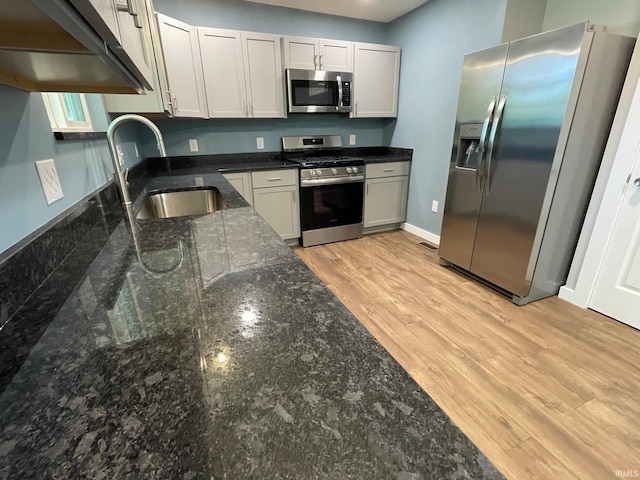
(349, 170)
(318, 172)
(334, 171)
(312, 173)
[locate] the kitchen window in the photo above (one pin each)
(68, 112)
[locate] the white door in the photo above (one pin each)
(263, 74)
(376, 80)
(184, 68)
(301, 53)
(336, 56)
(617, 290)
(223, 69)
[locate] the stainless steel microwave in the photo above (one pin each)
(316, 91)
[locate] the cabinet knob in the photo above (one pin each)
(636, 182)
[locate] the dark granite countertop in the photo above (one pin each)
(203, 348)
(248, 162)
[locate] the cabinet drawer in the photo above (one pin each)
(392, 169)
(274, 178)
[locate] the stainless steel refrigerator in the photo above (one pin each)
(533, 120)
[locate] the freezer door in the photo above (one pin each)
(480, 87)
(537, 84)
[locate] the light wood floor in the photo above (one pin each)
(546, 391)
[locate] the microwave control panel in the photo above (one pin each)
(346, 94)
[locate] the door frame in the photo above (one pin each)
(608, 193)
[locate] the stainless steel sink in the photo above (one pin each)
(181, 203)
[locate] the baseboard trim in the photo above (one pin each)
(571, 296)
(428, 236)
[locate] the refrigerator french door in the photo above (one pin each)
(519, 178)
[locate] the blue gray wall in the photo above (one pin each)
(434, 39)
(26, 136)
(237, 135)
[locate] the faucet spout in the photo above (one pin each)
(121, 176)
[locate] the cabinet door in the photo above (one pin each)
(301, 53)
(224, 73)
(183, 66)
(385, 201)
(242, 183)
(263, 74)
(155, 100)
(376, 81)
(279, 207)
(336, 56)
(134, 39)
(102, 15)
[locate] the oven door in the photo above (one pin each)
(314, 91)
(331, 202)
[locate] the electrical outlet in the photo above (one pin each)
(120, 155)
(434, 206)
(49, 180)
(260, 143)
(352, 139)
(135, 147)
(199, 182)
(193, 145)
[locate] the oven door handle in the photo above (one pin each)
(339, 79)
(330, 181)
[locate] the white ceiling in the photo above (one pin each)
(376, 10)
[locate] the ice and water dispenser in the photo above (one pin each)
(469, 151)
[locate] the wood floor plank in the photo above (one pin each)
(547, 390)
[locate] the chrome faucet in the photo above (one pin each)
(121, 176)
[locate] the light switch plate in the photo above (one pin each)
(260, 143)
(434, 206)
(352, 139)
(193, 145)
(49, 180)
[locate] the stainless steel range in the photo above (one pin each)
(331, 188)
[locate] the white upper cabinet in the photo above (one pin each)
(318, 54)
(181, 53)
(242, 73)
(120, 23)
(301, 53)
(336, 56)
(376, 80)
(156, 99)
(224, 73)
(134, 31)
(263, 74)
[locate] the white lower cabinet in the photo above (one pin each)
(242, 183)
(386, 188)
(275, 198)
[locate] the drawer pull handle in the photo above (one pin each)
(275, 179)
(389, 169)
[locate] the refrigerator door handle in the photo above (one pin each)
(492, 141)
(482, 146)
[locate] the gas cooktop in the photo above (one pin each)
(318, 151)
(327, 161)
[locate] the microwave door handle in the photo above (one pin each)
(339, 79)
